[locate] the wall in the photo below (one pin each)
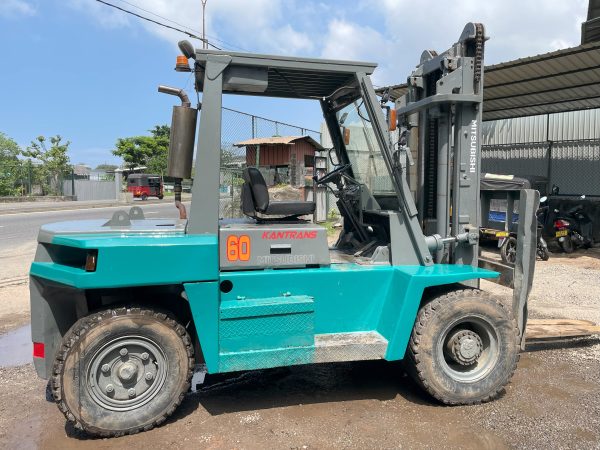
(91, 190)
(563, 147)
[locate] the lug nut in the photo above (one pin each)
(131, 392)
(149, 376)
(123, 351)
(145, 356)
(110, 388)
(105, 368)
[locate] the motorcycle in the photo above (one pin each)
(573, 228)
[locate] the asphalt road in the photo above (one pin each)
(18, 232)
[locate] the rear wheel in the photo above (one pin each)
(122, 371)
(464, 347)
(567, 244)
(508, 251)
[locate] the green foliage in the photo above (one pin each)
(10, 166)
(54, 162)
(150, 151)
(106, 167)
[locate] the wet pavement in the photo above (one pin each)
(15, 347)
(552, 402)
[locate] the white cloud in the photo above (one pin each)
(349, 41)
(104, 15)
(517, 28)
(392, 33)
(258, 26)
(13, 8)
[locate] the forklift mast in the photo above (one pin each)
(442, 112)
(443, 108)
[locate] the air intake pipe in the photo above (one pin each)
(181, 142)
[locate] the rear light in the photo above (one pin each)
(38, 349)
(560, 223)
(91, 260)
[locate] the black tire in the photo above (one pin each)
(508, 251)
(157, 369)
(144, 197)
(567, 244)
(160, 197)
(543, 253)
(461, 312)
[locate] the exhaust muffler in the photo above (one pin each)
(181, 142)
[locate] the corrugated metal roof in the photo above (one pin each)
(564, 80)
(278, 140)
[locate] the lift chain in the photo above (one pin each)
(479, 40)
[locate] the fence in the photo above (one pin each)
(571, 165)
(22, 177)
(90, 189)
(239, 126)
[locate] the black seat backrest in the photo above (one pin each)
(258, 188)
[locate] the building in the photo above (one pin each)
(282, 159)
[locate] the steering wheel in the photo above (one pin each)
(331, 176)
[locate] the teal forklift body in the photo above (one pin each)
(262, 318)
(270, 318)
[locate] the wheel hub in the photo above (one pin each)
(464, 347)
(126, 373)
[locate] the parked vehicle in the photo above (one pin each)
(144, 185)
(542, 217)
(499, 193)
(573, 228)
(508, 245)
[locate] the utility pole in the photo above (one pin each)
(204, 42)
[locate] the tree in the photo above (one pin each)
(55, 163)
(150, 151)
(107, 167)
(10, 165)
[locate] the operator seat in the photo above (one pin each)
(255, 199)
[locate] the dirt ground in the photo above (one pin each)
(553, 400)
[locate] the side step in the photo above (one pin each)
(337, 347)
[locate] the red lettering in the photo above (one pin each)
(275, 235)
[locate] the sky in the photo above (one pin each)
(89, 72)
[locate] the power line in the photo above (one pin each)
(192, 35)
(213, 38)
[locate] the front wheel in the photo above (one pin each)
(543, 253)
(464, 347)
(122, 371)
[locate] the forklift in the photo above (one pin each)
(120, 345)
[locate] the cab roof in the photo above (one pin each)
(294, 77)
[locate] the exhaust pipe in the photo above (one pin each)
(181, 142)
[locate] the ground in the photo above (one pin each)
(553, 401)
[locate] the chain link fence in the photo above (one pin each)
(20, 178)
(238, 126)
(573, 165)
